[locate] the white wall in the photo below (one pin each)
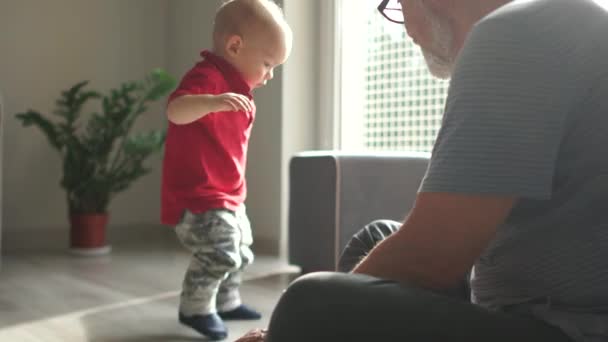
(300, 105)
(48, 46)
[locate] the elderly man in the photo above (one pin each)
(516, 189)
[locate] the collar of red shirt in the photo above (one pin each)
(233, 76)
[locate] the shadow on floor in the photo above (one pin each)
(157, 320)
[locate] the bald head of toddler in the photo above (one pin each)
(252, 35)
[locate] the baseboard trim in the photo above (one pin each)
(57, 239)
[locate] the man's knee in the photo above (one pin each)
(314, 285)
(305, 306)
(319, 293)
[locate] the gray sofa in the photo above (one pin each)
(334, 194)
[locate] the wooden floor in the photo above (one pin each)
(130, 295)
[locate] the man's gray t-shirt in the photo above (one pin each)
(527, 116)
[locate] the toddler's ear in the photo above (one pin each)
(234, 43)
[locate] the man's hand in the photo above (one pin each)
(257, 335)
(231, 102)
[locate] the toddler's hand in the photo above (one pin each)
(257, 335)
(232, 102)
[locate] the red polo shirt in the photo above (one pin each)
(204, 161)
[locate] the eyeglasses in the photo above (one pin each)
(391, 10)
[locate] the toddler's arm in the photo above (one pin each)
(189, 108)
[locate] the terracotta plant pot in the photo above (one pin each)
(88, 234)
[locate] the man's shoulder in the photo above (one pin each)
(518, 10)
(531, 17)
(563, 29)
(514, 18)
(533, 27)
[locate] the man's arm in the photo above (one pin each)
(440, 240)
(189, 108)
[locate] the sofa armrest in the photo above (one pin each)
(334, 194)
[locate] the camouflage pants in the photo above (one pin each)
(220, 243)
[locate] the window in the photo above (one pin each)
(389, 100)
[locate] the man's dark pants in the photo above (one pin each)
(344, 307)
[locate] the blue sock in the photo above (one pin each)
(209, 325)
(242, 312)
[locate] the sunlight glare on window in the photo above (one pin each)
(602, 3)
(402, 103)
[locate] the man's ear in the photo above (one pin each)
(234, 44)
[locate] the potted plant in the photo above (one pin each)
(101, 156)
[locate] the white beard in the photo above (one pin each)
(439, 60)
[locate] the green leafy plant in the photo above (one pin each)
(101, 157)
